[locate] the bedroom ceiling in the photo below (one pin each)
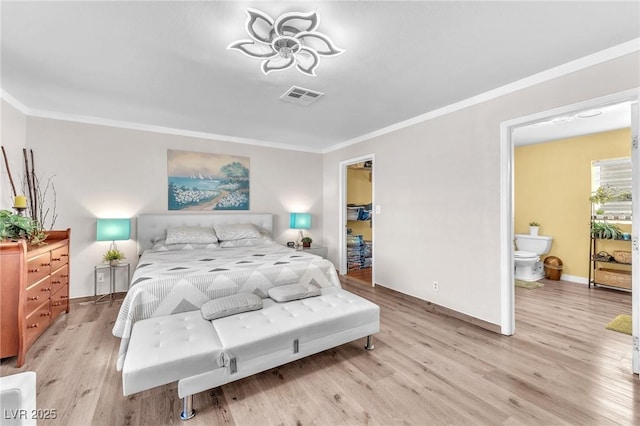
(166, 64)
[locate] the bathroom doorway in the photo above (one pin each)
(509, 129)
(357, 224)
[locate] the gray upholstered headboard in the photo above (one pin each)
(153, 226)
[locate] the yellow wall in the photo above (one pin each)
(359, 192)
(552, 187)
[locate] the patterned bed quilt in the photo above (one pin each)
(168, 282)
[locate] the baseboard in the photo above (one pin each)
(575, 279)
(437, 309)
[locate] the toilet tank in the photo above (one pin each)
(538, 244)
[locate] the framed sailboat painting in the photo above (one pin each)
(202, 181)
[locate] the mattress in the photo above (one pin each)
(169, 282)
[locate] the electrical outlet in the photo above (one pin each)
(435, 286)
(100, 277)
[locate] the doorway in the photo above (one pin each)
(357, 224)
(507, 198)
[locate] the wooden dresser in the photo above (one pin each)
(34, 290)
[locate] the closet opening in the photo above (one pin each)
(357, 200)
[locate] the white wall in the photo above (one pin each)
(111, 172)
(13, 133)
(438, 186)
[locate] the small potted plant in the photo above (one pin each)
(15, 227)
(306, 242)
(534, 227)
(113, 257)
(605, 230)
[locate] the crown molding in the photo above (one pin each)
(147, 127)
(14, 102)
(605, 55)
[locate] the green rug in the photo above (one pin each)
(527, 284)
(621, 324)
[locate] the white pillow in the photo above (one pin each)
(264, 239)
(230, 305)
(286, 293)
(190, 235)
(162, 246)
(236, 231)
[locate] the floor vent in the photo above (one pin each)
(301, 96)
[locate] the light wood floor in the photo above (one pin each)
(561, 367)
(363, 275)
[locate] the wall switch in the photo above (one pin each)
(100, 277)
(435, 286)
(377, 209)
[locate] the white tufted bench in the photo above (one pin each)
(202, 354)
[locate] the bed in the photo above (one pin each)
(176, 278)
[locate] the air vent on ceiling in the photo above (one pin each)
(301, 96)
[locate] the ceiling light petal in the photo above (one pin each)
(307, 61)
(310, 22)
(277, 63)
(259, 22)
(322, 44)
(253, 49)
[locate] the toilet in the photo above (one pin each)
(529, 248)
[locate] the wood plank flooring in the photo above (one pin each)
(363, 275)
(561, 368)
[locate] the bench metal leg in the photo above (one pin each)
(187, 408)
(369, 346)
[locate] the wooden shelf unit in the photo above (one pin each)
(608, 273)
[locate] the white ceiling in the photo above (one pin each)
(166, 63)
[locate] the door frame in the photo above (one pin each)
(507, 291)
(342, 220)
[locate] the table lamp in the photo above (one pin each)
(300, 221)
(113, 230)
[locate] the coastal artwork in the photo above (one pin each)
(201, 181)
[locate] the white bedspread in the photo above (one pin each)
(168, 282)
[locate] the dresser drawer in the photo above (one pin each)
(38, 267)
(59, 278)
(37, 294)
(37, 322)
(59, 256)
(59, 302)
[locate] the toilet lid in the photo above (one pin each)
(524, 254)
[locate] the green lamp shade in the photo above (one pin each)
(300, 220)
(113, 229)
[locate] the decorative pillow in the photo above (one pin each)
(236, 231)
(286, 293)
(162, 246)
(190, 235)
(230, 305)
(264, 239)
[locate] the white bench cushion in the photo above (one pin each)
(277, 325)
(165, 349)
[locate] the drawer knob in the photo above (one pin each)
(56, 259)
(45, 264)
(32, 326)
(45, 314)
(57, 304)
(32, 298)
(34, 270)
(65, 255)
(56, 282)
(65, 276)
(46, 289)
(64, 297)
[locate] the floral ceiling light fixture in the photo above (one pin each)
(290, 40)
